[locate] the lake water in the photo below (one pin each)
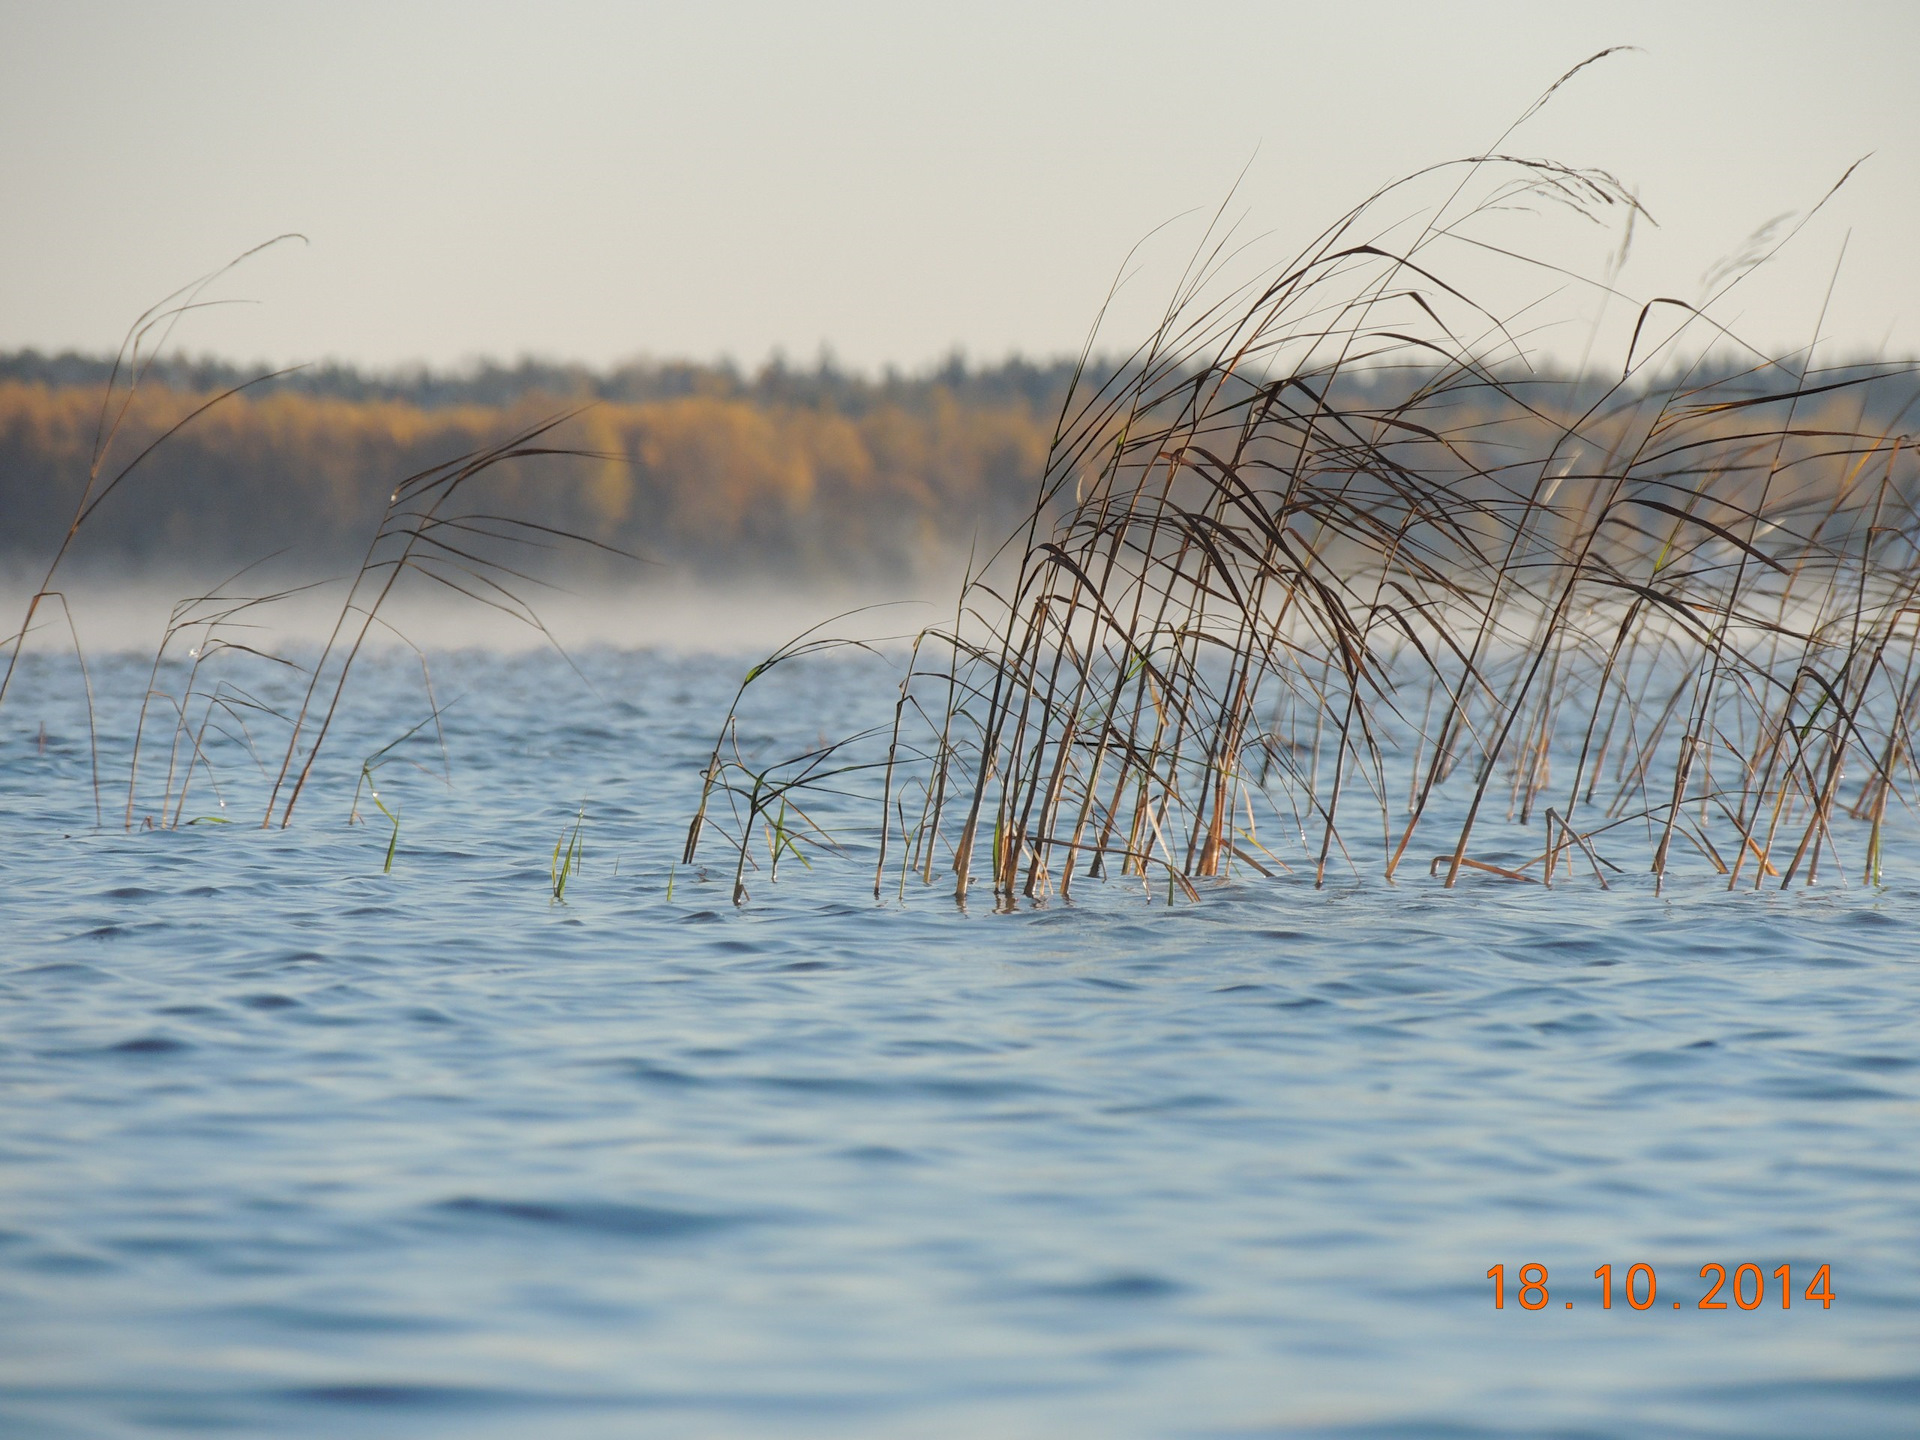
(294, 1147)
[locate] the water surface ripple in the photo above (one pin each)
(292, 1147)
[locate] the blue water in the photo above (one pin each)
(294, 1147)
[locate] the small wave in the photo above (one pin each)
(649, 1073)
(601, 1217)
(880, 1155)
(64, 967)
(149, 1045)
(307, 1318)
(1826, 1090)
(1122, 1285)
(396, 1396)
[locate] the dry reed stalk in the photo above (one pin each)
(1334, 500)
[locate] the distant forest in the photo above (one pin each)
(779, 474)
(707, 470)
(824, 386)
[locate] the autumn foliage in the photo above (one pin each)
(705, 484)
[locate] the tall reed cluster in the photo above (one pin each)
(1321, 560)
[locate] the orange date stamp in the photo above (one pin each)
(1640, 1287)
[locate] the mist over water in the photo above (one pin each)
(127, 613)
(295, 1145)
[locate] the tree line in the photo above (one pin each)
(708, 472)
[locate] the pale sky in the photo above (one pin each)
(594, 181)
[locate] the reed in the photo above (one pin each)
(146, 339)
(369, 782)
(1323, 557)
(436, 527)
(425, 533)
(569, 852)
(219, 626)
